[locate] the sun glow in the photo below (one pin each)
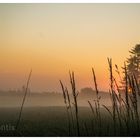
(55, 38)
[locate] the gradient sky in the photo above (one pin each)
(55, 38)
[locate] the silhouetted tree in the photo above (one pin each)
(87, 90)
(133, 63)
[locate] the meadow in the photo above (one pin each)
(120, 118)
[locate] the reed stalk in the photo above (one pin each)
(112, 93)
(66, 104)
(75, 95)
(23, 101)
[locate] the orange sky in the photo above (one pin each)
(55, 38)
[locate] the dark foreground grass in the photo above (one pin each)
(52, 121)
(124, 111)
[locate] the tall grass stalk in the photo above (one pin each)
(23, 101)
(112, 93)
(134, 100)
(67, 107)
(92, 109)
(75, 95)
(126, 92)
(70, 107)
(97, 94)
(97, 100)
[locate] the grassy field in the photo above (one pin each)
(52, 121)
(39, 121)
(115, 113)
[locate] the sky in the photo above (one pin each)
(52, 39)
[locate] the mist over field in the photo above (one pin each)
(45, 99)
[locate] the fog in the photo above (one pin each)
(33, 99)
